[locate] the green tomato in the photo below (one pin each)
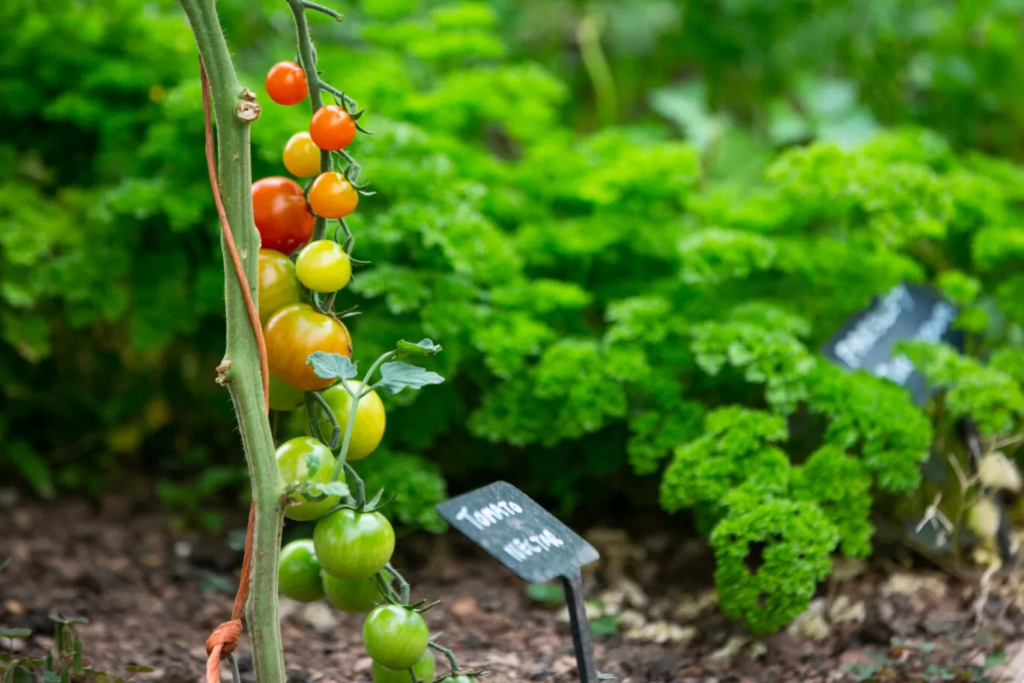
(291, 461)
(424, 670)
(368, 428)
(298, 572)
(352, 596)
(395, 637)
(284, 397)
(353, 545)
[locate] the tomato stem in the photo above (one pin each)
(307, 60)
(242, 375)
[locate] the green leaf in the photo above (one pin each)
(398, 376)
(545, 592)
(332, 488)
(59, 618)
(604, 626)
(424, 347)
(15, 633)
(50, 677)
(331, 365)
(3, 565)
(33, 467)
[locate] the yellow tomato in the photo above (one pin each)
(323, 266)
(301, 157)
(368, 429)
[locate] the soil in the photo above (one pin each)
(152, 596)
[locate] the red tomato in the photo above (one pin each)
(286, 83)
(292, 334)
(281, 215)
(332, 196)
(332, 128)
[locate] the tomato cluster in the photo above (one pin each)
(285, 216)
(348, 559)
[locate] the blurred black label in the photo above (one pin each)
(518, 532)
(906, 312)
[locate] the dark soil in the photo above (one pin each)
(153, 596)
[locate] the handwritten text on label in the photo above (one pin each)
(489, 514)
(520, 548)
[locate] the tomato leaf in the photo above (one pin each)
(4, 563)
(398, 376)
(15, 633)
(331, 365)
(313, 462)
(424, 347)
(332, 488)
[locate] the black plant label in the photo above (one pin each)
(906, 312)
(518, 532)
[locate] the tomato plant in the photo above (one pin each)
(281, 215)
(354, 545)
(332, 128)
(307, 350)
(286, 83)
(298, 572)
(292, 334)
(395, 636)
(370, 419)
(424, 670)
(301, 156)
(323, 266)
(352, 596)
(333, 196)
(278, 285)
(293, 460)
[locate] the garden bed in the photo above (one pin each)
(152, 597)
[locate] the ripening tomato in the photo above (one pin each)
(323, 266)
(293, 464)
(286, 83)
(424, 670)
(332, 196)
(279, 285)
(292, 334)
(284, 397)
(301, 157)
(353, 545)
(281, 215)
(368, 429)
(395, 636)
(298, 572)
(352, 596)
(332, 128)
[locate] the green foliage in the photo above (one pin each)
(989, 396)
(771, 554)
(611, 302)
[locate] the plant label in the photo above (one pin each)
(906, 312)
(518, 532)
(537, 547)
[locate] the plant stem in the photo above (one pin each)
(307, 60)
(240, 370)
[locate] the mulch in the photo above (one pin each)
(152, 596)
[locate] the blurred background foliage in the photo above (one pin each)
(630, 223)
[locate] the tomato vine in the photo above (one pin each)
(308, 349)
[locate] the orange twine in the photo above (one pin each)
(224, 639)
